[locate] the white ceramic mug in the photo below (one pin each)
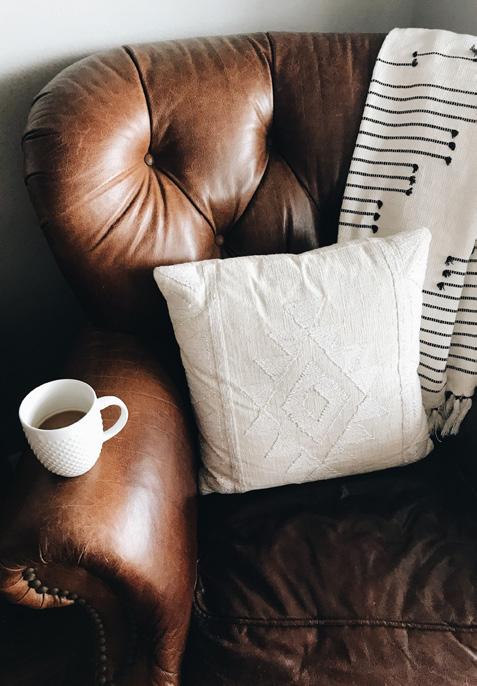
(71, 450)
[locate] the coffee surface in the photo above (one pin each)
(62, 419)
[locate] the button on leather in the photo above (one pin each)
(149, 159)
(219, 239)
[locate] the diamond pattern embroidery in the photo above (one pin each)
(294, 363)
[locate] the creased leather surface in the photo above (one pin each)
(104, 535)
(364, 580)
(247, 137)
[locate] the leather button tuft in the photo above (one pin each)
(149, 159)
(219, 239)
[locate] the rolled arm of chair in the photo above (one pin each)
(121, 539)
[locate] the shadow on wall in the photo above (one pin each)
(38, 312)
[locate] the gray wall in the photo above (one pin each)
(453, 15)
(38, 312)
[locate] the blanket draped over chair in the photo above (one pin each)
(415, 164)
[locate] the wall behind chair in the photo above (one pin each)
(453, 15)
(39, 314)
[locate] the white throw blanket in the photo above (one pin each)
(415, 164)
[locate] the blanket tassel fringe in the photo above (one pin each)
(446, 419)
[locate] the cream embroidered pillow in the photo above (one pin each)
(303, 367)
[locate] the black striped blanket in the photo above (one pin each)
(415, 164)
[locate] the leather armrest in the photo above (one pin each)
(123, 536)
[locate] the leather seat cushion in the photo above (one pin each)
(363, 580)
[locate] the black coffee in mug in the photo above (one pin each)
(61, 419)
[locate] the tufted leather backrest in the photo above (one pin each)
(188, 150)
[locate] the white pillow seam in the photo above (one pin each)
(224, 390)
(399, 334)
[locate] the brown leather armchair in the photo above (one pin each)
(188, 150)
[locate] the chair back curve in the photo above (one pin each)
(192, 149)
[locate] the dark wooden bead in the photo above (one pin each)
(73, 596)
(102, 679)
(34, 583)
(102, 658)
(103, 668)
(102, 641)
(64, 594)
(55, 591)
(29, 570)
(42, 590)
(102, 648)
(81, 601)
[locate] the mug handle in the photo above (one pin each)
(107, 401)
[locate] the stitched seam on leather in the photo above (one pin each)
(254, 194)
(114, 223)
(271, 66)
(180, 187)
(267, 164)
(129, 51)
(295, 622)
(299, 181)
(297, 177)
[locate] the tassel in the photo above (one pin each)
(465, 405)
(446, 419)
(435, 422)
(449, 405)
(455, 411)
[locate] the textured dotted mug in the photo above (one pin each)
(63, 425)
